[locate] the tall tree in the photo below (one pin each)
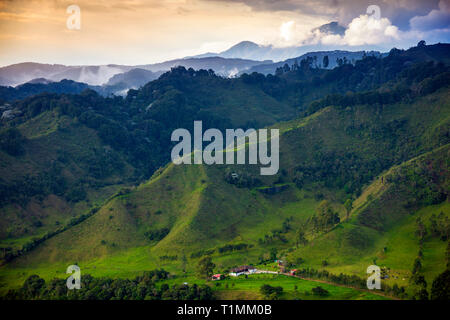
(300, 237)
(348, 204)
(440, 289)
(206, 267)
(183, 262)
(273, 254)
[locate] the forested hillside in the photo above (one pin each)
(363, 172)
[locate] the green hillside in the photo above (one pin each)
(67, 154)
(363, 179)
(193, 210)
(358, 242)
(62, 170)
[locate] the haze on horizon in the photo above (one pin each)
(137, 32)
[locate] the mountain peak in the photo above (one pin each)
(331, 28)
(245, 45)
(243, 50)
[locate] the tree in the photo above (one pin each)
(325, 218)
(319, 291)
(11, 141)
(300, 237)
(417, 266)
(33, 286)
(421, 231)
(440, 289)
(183, 262)
(270, 292)
(348, 204)
(273, 254)
(325, 62)
(447, 255)
(206, 267)
(422, 294)
(279, 71)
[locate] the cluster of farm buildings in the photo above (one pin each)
(245, 270)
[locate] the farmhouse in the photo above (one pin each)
(242, 270)
(216, 276)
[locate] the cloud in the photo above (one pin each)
(286, 30)
(362, 30)
(292, 33)
(399, 12)
(305, 6)
(435, 19)
(369, 30)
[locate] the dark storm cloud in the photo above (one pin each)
(435, 19)
(399, 12)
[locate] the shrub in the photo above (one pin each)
(319, 291)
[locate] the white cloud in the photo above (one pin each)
(369, 30)
(291, 33)
(286, 30)
(330, 39)
(363, 30)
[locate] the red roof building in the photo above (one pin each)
(216, 276)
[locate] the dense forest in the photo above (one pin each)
(145, 287)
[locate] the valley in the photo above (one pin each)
(363, 180)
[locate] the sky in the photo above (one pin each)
(134, 32)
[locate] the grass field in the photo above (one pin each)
(249, 288)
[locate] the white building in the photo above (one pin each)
(242, 270)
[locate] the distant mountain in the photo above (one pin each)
(244, 49)
(106, 80)
(40, 80)
(318, 57)
(254, 51)
(93, 75)
(331, 28)
(98, 75)
(134, 78)
(23, 72)
(36, 86)
(120, 83)
(222, 66)
(3, 81)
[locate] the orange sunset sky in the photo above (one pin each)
(138, 32)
